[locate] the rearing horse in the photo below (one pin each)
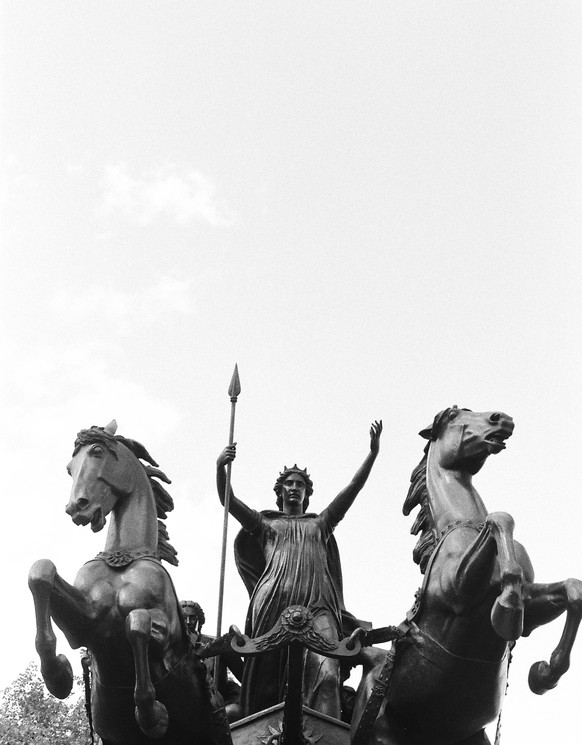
(147, 681)
(444, 679)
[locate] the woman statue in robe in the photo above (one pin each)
(289, 557)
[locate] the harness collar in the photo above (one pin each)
(123, 558)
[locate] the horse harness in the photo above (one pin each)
(399, 635)
(120, 560)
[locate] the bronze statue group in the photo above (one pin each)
(443, 679)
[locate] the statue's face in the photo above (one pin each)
(189, 617)
(293, 492)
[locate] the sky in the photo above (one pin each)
(374, 209)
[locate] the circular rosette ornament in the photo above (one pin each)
(296, 619)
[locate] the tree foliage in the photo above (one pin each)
(30, 715)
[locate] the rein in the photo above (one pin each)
(417, 606)
(477, 525)
(169, 672)
(498, 728)
(86, 665)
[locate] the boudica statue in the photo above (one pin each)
(445, 676)
(288, 557)
(441, 683)
(147, 681)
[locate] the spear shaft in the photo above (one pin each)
(233, 392)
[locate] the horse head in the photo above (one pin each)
(104, 470)
(462, 439)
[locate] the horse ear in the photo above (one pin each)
(111, 428)
(432, 432)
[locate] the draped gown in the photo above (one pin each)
(291, 560)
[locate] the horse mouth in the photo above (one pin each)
(496, 442)
(98, 520)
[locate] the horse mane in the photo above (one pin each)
(423, 524)
(164, 502)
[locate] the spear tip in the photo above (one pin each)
(234, 387)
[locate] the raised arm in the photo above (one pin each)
(344, 500)
(246, 516)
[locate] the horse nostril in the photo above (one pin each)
(81, 503)
(495, 417)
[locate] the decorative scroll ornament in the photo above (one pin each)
(296, 625)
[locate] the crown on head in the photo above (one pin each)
(294, 469)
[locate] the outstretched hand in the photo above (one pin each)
(227, 455)
(375, 432)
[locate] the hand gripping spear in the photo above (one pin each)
(233, 392)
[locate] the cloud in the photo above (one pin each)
(169, 295)
(182, 198)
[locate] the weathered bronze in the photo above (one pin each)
(445, 677)
(294, 631)
(123, 606)
(289, 558)
(210, 648)
(296, 626)
(441, 683)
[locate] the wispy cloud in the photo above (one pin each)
(181, 197)
(169, 295)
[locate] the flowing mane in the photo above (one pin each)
(164, 502)
(418, 495)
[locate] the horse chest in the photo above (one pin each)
(113, 593)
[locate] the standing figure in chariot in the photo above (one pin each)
(289, 557)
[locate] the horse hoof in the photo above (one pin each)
(58, 676)
(507, 619)
(159, 716)
(538, 676)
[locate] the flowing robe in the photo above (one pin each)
(292, 560)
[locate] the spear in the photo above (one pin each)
(233, 392)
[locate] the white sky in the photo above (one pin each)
(373, 208)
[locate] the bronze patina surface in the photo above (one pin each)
(147, 682)
(441, 683)
(445, 677)
(289, 557)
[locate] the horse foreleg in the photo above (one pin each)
(55, 669)
(150, 714)
(507, 611)
(544, 603)
(494, 547)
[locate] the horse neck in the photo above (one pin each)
(451, 494)
(133, 522)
